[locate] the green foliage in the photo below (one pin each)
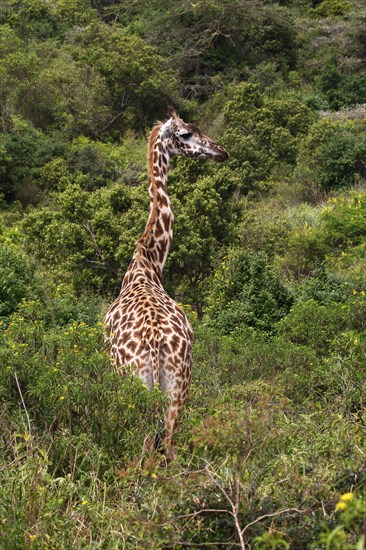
(351, 513)
(69, 96)
(31, 18)
(331, 8)
(205, 39)
(332, 154)
(17, 278)
(137, 89)
(344, 220)
(263, 133)
(18, 67)
(247, 290)
(202, 225)
(70, 387)
(89, 232)
(26, 149)
(325, 287)
(341, 88)
(333, 235)
(313, 324)
(263, 228)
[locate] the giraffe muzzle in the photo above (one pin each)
(222, 154)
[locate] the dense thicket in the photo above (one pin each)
(268, 259)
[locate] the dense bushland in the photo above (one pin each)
(268, 260)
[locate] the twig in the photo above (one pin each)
(234, 507)
(117, 116)
(194, 514)
(204, 544)
(90, 230)
(11, 464)
(23, 403)
(274, 514)
(324, 510)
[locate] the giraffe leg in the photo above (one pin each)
(172, 415)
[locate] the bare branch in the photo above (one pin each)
(274, 514)
(204, 544)
(23, 403)
(198, 513)
(234, 506)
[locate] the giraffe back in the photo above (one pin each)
(149, 331)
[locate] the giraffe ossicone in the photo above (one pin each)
(147, 329)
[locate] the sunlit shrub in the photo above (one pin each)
(70, 386)
(247, 290)
(17, 278)
(332, 154)
(329, 8)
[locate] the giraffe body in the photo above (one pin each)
(147, 329)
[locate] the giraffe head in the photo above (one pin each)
(186, 139)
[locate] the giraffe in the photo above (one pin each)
(147, 329)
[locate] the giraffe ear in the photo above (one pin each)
(172, 112)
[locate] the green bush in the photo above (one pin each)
(312, 324)
(317, 324)
(325, 287)
(17, 279)
(340, 87)
(332, 236)
(332, 154)
(263, 133)
(71, 388)
(247, 290)
(344, 221)
(263, 228)
(90, 236)
(331, 8)
(138, 91)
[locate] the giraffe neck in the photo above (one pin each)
(155, 242)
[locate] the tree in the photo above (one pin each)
(332, 154)
(263, 133)
(138, 79)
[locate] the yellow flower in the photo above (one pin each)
(346, 497)
(341, 505)
(62, 398)
(84, 503)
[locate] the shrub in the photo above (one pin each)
(332, 155)
(29, 149)
(90, 236)
(331, 8)
(246, 289)
(71, 388)
(341, 88)
(312, 324)
(345, 221)
(263, 228)
(263, 133)
(17, 278)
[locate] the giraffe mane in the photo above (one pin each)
(142, 241)
(150, 154)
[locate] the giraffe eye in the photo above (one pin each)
(186, 135)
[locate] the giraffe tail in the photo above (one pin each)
(153, 336)
(154, 344)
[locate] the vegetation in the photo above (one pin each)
(268, 259)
